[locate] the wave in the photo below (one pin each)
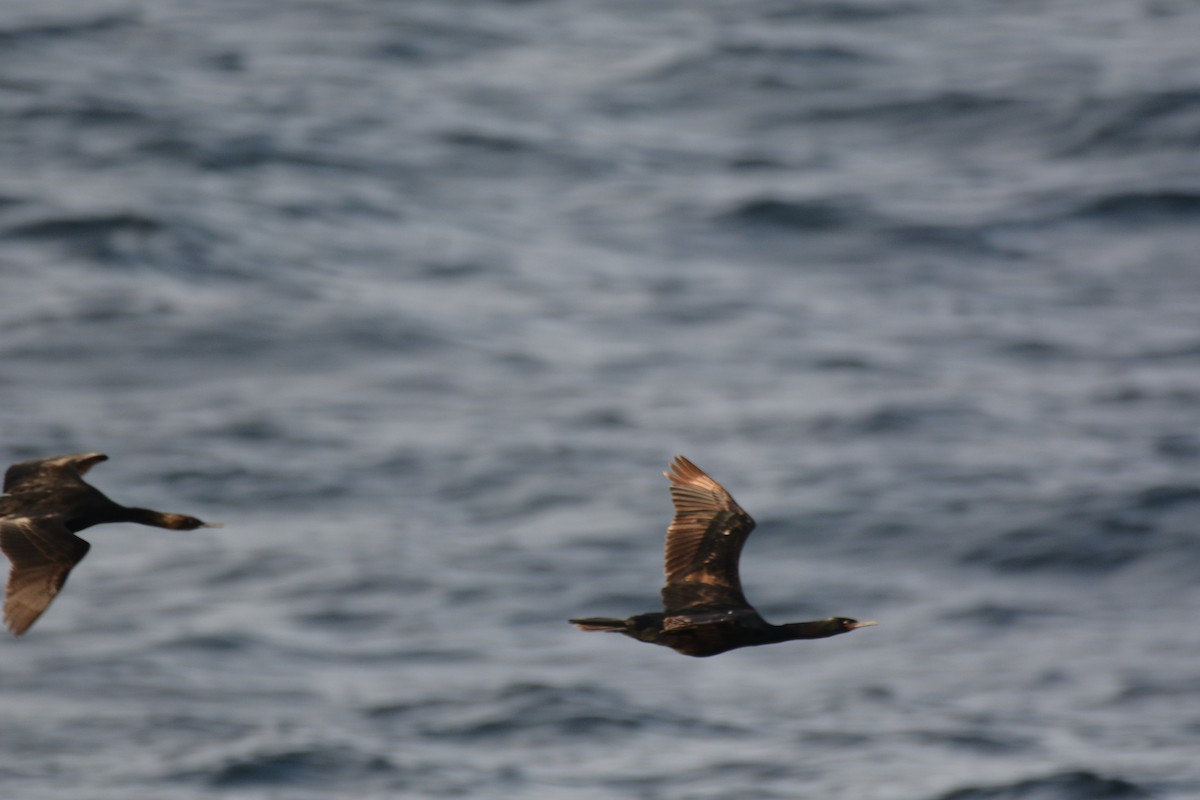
(87, 226)
(1133, 123)
(16, 35)
(293, 766)
(539, 712)
(1076, 785)
(784, 214)
(1141, 206)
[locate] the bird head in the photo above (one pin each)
(845, 625)
(182, 522)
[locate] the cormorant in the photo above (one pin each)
(705, 612)
(45, 503)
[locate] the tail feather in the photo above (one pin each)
(599, 624)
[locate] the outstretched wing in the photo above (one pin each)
(54, 471)
(43, 552)
(704, 542)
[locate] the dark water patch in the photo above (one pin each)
(1186, 350)
(1178, 446)
(293, 339)
(211, 152)
(234, 153)
(844, 362)
(210, 643)
(1092, 530)
(364, 579)
(225, 60)
(125, 238)
(1167, 496)
(752, 773)
(497, 143)
(1129, 394)
(743, 780)
(994, 615)
(493, 488)
(1143, 687)
(225, 485)
(387, 333)
(319, 766)
(452, 271)
(746, 68)
(848, 361)
(408, 709)
(93, 227)
(977, 741)
(603, 419)
(1134, 123)
(836, 740)
(256, 427)
(789, 215)
(542, 712)
(519, 363)
(930, 236)
(39, 32)
(1079, 785)
(1066, 547)
(85, 111)
(755, 162)
(813, 55)
(473, 152)
(1142, 207)
(835, 11)
(418, 41)
(525, 503)
(687, 310)
(211, 727)
(345, 619)
(397, 466)
(947, 110)
(457, 656)
(1036, 350)
(280, 485)
(262, 565)
(898, 420)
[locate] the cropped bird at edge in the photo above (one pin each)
(705, 612)
(46, 502)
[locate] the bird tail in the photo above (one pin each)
(599, 624)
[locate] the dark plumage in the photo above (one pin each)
(705, 612)
(45, 503)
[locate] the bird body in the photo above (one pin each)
(45, 503)
(705, 612)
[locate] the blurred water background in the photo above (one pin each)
(420, 297)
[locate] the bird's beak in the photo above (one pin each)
(866, 624)
(213, 525)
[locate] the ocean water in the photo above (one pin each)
(419, 298)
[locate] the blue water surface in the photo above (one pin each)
(420, 297)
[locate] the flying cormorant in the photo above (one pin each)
(46, 502)
(705, 612)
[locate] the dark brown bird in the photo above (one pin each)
(46, 502)
(705, 612)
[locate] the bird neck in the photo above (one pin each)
(817, 629)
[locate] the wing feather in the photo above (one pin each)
(56, 470)
(43, 552)
(704, 541)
